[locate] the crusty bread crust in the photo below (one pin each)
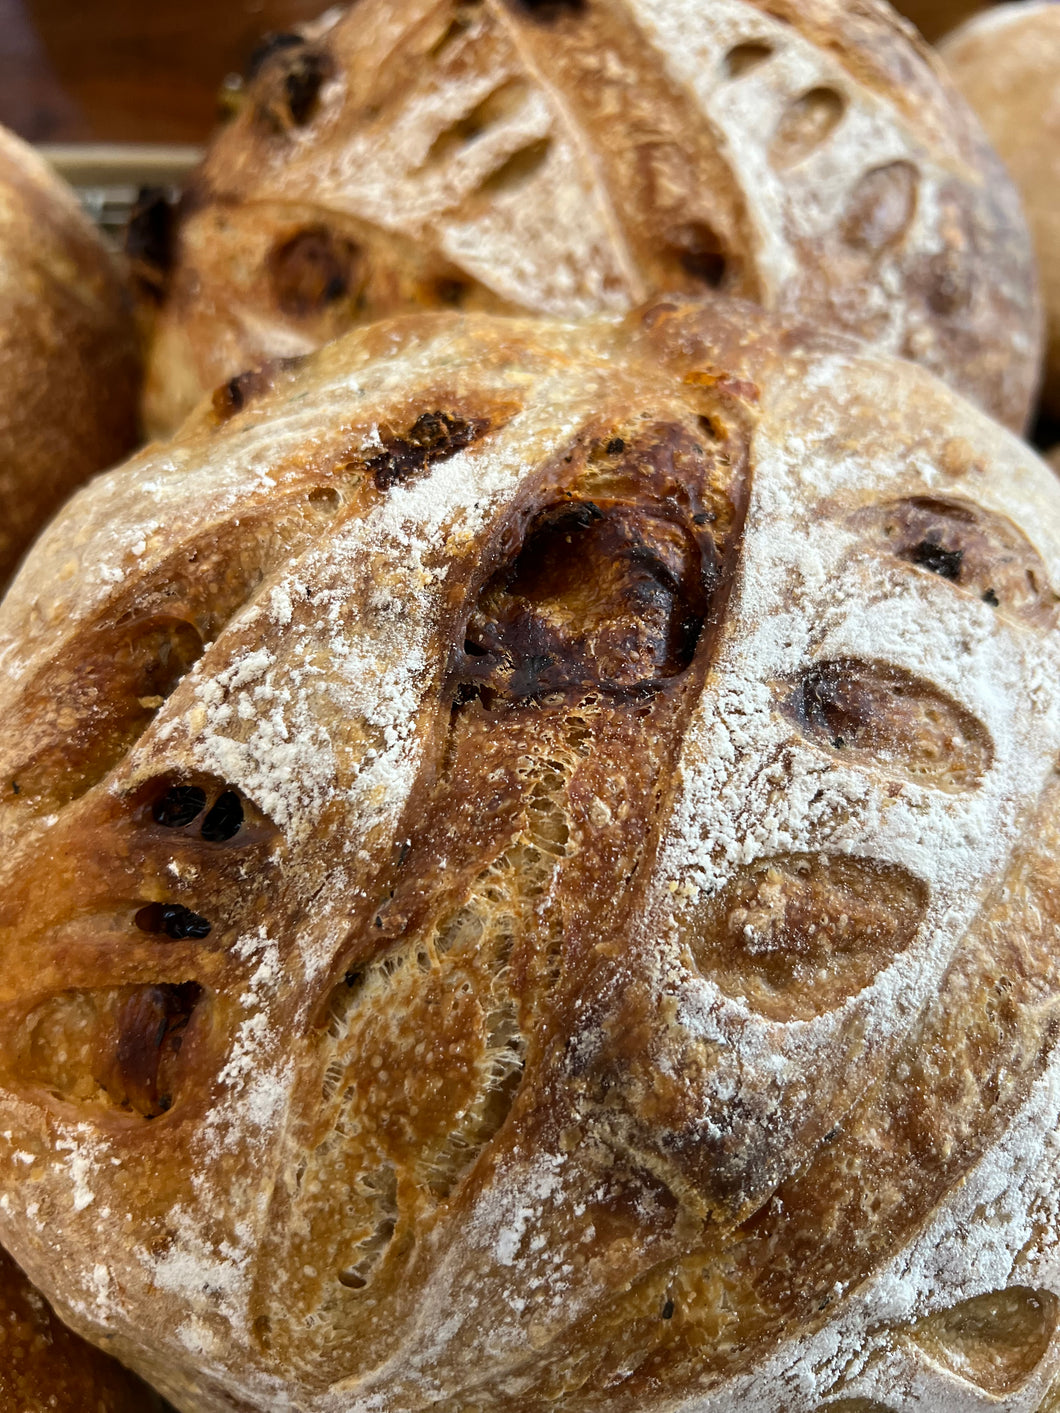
(1005, 62)
(567, 157)
(530, 876)
(46, 1368)
(69, 362)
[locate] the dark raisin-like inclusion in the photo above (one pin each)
(179, 806)
(225, 819)
(172, 920)
(434, 436)
(945, 562)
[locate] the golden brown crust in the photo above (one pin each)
(69, 363)
(46, 1368)
(550, 843)
(568, 157)
(1005, 63)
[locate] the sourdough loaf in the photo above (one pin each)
(46, 1368)
(573, 156)
(1006, 63)
(69, 361)
(529, 862)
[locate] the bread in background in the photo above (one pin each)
(69, 358)
(46, 1368)
(568, 157)
(1007, 64)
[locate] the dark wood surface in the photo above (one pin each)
(127, 70)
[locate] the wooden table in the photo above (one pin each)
(127, 70)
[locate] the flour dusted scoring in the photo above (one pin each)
(554, 902)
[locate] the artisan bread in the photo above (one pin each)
(1006, 63)
(935, 18)
(567, 157)
(68, 352)
(530, 875)
(45, 1368)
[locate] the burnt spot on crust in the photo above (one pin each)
(969, 547)
(797, 935)
(207, 811)
(120, 1047)
(312, 270)
(609, 596)
(150, 240)
(224, 820)
(179, 806)
(929, 554)
(887, 716)
(434, 436)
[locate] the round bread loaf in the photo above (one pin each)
(1007, 63)
(530, 879)
(45, 1368)
(576, 155)
(934, 18)
(69, 363)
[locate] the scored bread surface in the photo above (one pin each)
(575, 156)
(529, 874)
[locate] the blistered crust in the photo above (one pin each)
(529, 877)
(69, 362)
(566, 158)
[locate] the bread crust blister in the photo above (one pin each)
(529, 876)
